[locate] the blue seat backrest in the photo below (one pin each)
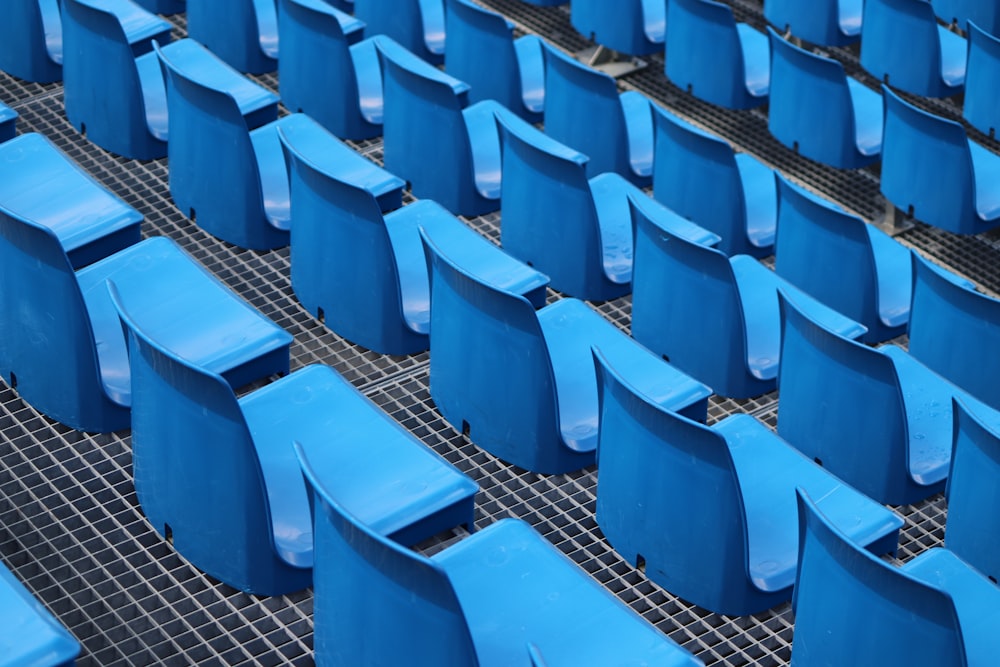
(704, 55)
(835, 395)
(51, 322)
(825, 253)
(23, 50)
(926, 165)
(578, 100)
(100, 73)
(982, 81)
(817, 22)
(409, 22)
(810, 100)
(423, 117)
(900, 43)
(339, 227)
(695, 175)
(369, 589)
(543, 178)
(489, 359)
(682, 287)
(954, 331)
(187, 427)
(851, 608)
(620, 26)
(654, 459)
(480, 51)
(210, 138)
(231, 30)
(984, 13)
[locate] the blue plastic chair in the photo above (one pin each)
(328, 71)
(852, 608)
(853, 267)
(934, 173)
(63, 348)
(973, 532)
(520, 383)
(31, 40)
(226, 167)
(251, 526)
(877, 418)
(447, 151)
(818, 111)
(494, 598)
(419, 25)
(733, 551)
(164, 6)
(825, 22)
(481, 50)
(584, 110)
(113, 87)
(982, 79)
(32, 637)
(712, 316)
(579, 232)
(984, 13)
(635, 27)
(955, 331)
(364, 273)
(700, 177)
(8, 123)
(713, 57)
(544, 3)
(903, 46)
(243, 33)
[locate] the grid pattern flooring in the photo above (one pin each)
(71, 527)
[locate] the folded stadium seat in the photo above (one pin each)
(982, 79)
(164, 6)
(251, 527)
(734, 551)
(503, 596)
(713, 57)
(227, 171)
(362, 272)
(32, 637)
(584, 110)
(877, 418)
(481, 50)
(419, 25)
(579, 232)
(31, 40)
(446, 150)
(113, 86)
(849, 265)
(818, 111)
(903, 46)
(712, 316)
(824, 22)
(955, 331)
(243, 33)
(972, 532)
(8, 122)
(984, 13)
(328, 70)
(934, 173)
(852, 608)
(635, 27)
(699, 176)
(521, 383)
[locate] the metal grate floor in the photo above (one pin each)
(71, 527)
